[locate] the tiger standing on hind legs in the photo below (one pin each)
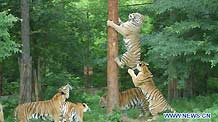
(143, 80)
(1, 113)
(130, 30)
(42, 109)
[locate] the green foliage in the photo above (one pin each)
(212, 84)
(53, 81)
(183, 38)
(7, 45)
(179, 40)
(9, 103)
(199, 104)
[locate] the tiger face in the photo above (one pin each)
(65, 90)
(136, 18)
(143, 67)
(85, 107)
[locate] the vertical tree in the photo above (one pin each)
(1, 79)
(112, 52)
(25, 62)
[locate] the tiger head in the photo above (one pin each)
(65, 89)
(63, 93)
(103, 101)
(85, 107)
(143, 67)
(136, 18)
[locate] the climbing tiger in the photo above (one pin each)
(50, 108)
(157, 103)
(73, 112)
(131, 98)
(130, 30)
(1, 113)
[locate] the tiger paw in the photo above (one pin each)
(130, 71)
(109, 22)
(149, 120)
(118, 62)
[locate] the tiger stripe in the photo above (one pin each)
(73, 112)
(43, 109)
(157, 102)
(130, 30)
(129, 99)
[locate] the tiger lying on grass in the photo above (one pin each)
(130, 30)
(50, 108)
(143, 80)
(73, 112)
(131, 98)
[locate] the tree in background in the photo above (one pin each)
(184, 43)
(7, 44)
(25, 62)
(112, 52)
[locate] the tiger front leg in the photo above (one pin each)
(58, 119)
(123, 31)
(117, 60)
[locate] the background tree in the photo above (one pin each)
(7, 44)
(184, 39)
(25, 62)
(178, 41)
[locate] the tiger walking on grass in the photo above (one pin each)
(42, 109)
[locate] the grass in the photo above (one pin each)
(199, 104)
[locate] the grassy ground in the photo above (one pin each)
(199, 104)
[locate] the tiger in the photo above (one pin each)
(1, 113)
(73, 112)
(143, 80)
(50, 108)
(128, 99)
(130, 30)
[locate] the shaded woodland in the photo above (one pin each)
(65, 41)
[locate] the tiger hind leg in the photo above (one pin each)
(117, 60)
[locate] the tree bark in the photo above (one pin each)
(26, 61)
(1, 80)
(112, 53)
(172, 90)
(35, 86)
(188, 91)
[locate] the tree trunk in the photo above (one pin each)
(188, 91)
(26, 61)
(112, 52)
(1, 80)
(172, 90)
(35, 86)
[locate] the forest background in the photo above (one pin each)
(179, 41)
